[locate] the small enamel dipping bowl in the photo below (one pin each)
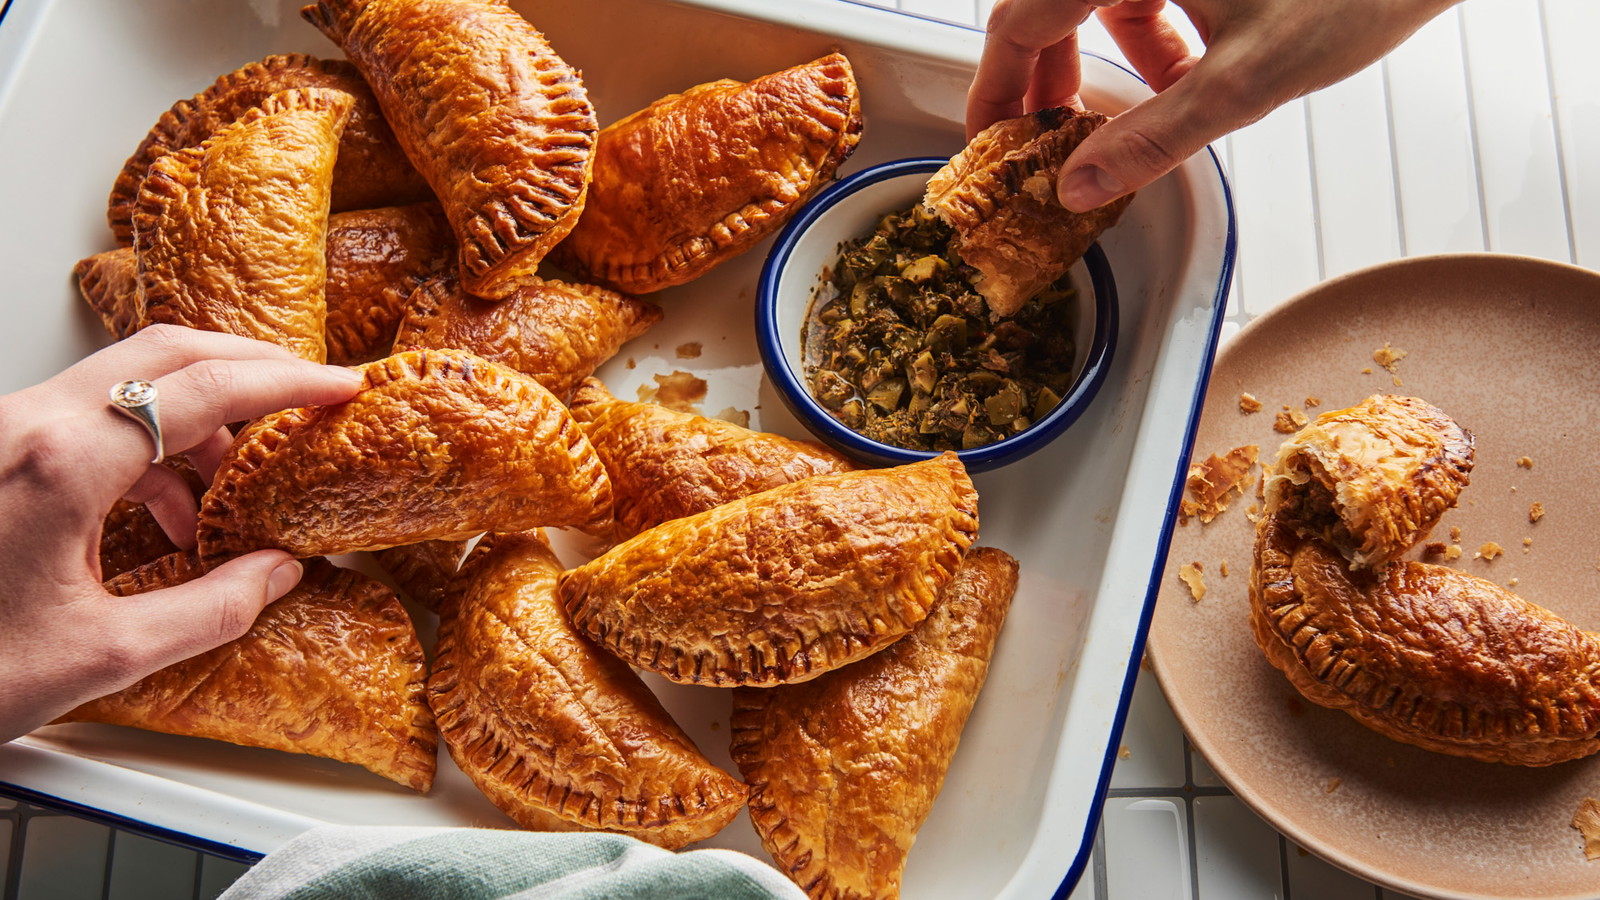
(793, 276)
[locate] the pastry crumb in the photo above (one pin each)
(1367, 371)
(690, 350)
(1190, 575)
(1435, 548)
(1536, 511)
(1123, 752)
(1249, 404)
(1452, 553)
(1527, 542)
(1455, 533)
(1388, 356)
(1222, 568)
(681, 391)
(1524, 462)
(1488, 551)
(1332, 785)
(734, 416)
(1587, 821)
(1213, 481)
(1289, 421)
(630, 363)
(1514, 582)
(1313, 402)
(1253, 513)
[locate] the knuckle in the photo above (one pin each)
(51, 455)
(164, 337)
(213, 377)
(234, 616)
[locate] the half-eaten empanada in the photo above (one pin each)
(999, 194)
(497, 123)
(844, 768)
(699, 177)
(559, 734)
(331, 669)
(437, 445)
(783, 585)
(230, 235)
(666, 464)
(552, 331)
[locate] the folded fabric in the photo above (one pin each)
(395, 863)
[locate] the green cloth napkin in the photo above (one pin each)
(397, 863)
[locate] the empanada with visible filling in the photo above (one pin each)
(844, 769)
(437, 445)
(1371, 480)
(423, 570)
(699, 177)
(666, 464)
(497, 123)
(783, 585)
(376, 259)
(130, 536)
(557, 733)
(371, 169)
(554, 332)
(332, 669)
(230, 235)
(999, 194)
(109, 283)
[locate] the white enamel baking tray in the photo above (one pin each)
(1089, 517)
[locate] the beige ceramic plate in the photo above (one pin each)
(1510, 347)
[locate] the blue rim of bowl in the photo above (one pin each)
(798, 397)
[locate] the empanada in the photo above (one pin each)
(554, 332)
(497, 123)
(699, 177)
(437, 445)
(783, 585)
(999, 194)
(376, 259)
(666, 464)
(332, 669)
(423, 570)
(557, 733)
(1371, 480)
(109, 283)
(130, 536)
(230, 235)
(844, 768)
(371, 169)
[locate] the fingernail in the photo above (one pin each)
(1088, 187)
(284, 578)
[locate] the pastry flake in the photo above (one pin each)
(783, 585)
(109, 283)
(999, 194)
(230, 235)
(1212, 482)
(371, 170)
(437, 445)
(555, 332)
(376, 259)
(560, 735)
(332, 669)
(666, 464)
(844, 769)
(498, 124)
(699, 177)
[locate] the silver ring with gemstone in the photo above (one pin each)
(136, 399)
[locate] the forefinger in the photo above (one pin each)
(1019, 31)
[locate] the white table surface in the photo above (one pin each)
(1480, 133)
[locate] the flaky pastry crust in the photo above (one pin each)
(666, 464)
(109, 283)
(557, 733)
(423, 570)
(332, 669)
(699, 177)
(371, 170)
(498, 124)
(999, 194)
(844, 769)
(437, 445)
(783, 585)
(555, 332)
(376, 259)
(230, 235)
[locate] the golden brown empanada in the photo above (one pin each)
(423, 570)
(109, 283)
(666, 464)
(437, 445)
(554, 332)
(999, 194)
(1371, 480)
(376, 259)
(230, 235)
(130, 536)
(371, 169)
(497, 123)
(557, 733)
(699, 177)
(844, 768)
(783, 585)
(332, 669)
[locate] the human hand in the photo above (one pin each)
(66, 455)
(1259, 55)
